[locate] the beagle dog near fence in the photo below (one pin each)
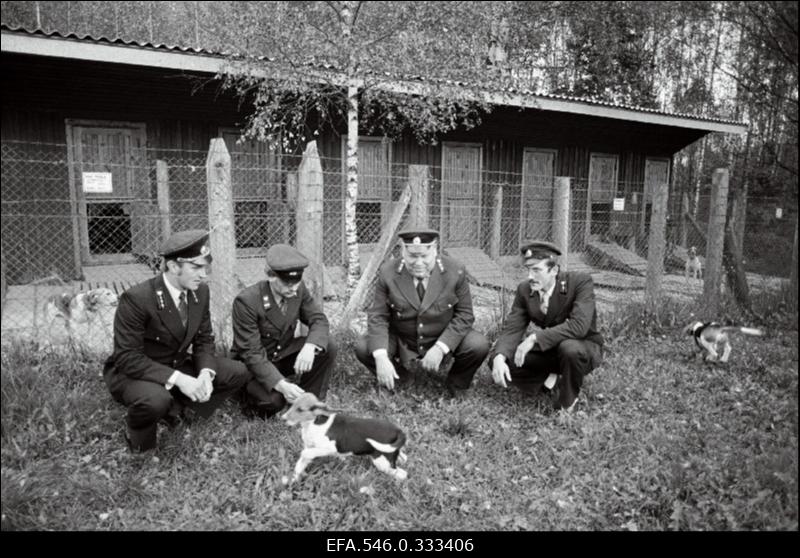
(71, 310)
(711, 338)
(694, 267)
(326, 432)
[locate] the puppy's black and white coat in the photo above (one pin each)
(710, 337)
(327, 432)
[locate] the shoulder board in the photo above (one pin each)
(562, 286)
(400, 267)
(441, 265)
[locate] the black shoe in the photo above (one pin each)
(455, 393)
(175, 416)
(557, 406)
(264, 409)
(135, 442)
(405, 381)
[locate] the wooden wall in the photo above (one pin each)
(183, 112)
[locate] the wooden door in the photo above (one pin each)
(603, 169)
(261, 217)
(117, 214)
(656, 171)
(461, 194)
(536, 206)
(375, 197)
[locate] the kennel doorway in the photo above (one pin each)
(111, 191)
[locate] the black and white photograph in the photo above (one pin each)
(399, 276)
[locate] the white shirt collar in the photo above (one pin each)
(174, 292)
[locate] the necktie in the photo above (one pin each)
(282, 306)
(543, 300)
(420, 290)
(183, 309)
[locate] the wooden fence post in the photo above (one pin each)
(290, 206)
(291, 189)
(793, 280)
(162, 183)
(497, 221)
(4, 285)
(715, 244)
(656, 243)
(224, 285)
(684, 218)
(587, 233)
(309, 219)
(385, 243)
(419, 180)
(561, 219)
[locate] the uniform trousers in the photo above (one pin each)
(467, 358)
(572, 359)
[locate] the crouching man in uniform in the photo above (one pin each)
(422, 314)
(266, 315)
(566, 345)
(163, 355)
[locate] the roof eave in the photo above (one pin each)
(204, 63)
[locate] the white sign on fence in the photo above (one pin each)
(97, 182)
(778, 212)
(619, 204)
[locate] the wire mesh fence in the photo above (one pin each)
(93, 215)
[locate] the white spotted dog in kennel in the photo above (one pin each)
(327, 432)
(712, 337)
(72, 309)
(694, 267)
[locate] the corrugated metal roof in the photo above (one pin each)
(485, 86)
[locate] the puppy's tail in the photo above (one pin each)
(389, 448)
(745, 330)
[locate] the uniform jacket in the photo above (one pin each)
(263, 334)
(150, 342)
(571, 314)
(445, 313)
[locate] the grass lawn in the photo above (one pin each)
(659, 442)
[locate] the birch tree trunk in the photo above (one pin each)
(711, 71)
(351, 236)
(350, 232)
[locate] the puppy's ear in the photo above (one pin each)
(321, 408)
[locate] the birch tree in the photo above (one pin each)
(313, 65)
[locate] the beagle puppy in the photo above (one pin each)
(711, 337)
(327, 432)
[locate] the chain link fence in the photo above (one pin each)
(79, 218)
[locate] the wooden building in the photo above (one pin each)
(104, 148)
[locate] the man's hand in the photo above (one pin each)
(523, 349)
(500, 372)
(305, 359)
(193, 388)
(432, 359)
(385, 371)
(289, 390)
(208, 384)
